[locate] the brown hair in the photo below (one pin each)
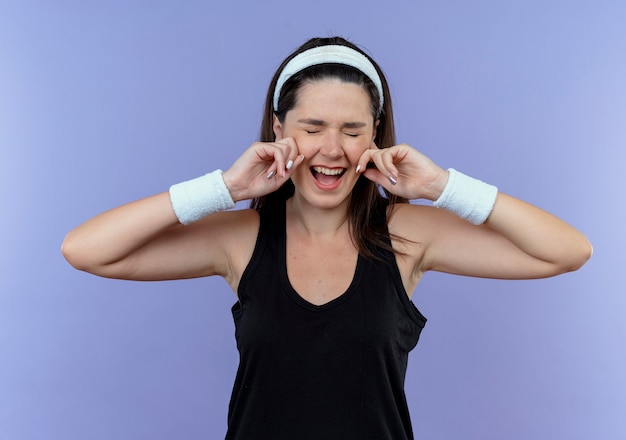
(367, 198)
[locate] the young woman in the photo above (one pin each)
(326, 260)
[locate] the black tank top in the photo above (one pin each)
(329, 372)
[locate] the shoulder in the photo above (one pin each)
(225, 224)
(413, 230)
(237, 218)
(232, 229)
(419, 221)
(413, 222)
(233, 235)
(227, 236)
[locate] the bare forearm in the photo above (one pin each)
(539, 233)
(115, 234)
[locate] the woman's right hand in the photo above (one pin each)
(262, 169)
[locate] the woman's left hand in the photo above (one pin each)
(404, 171)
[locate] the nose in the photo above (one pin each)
(331, 145)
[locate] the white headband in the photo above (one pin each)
(329, 54)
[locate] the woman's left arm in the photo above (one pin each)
(517, 240)
(539, 234)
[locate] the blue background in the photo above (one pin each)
(104, 102)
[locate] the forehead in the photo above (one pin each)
(333, 97)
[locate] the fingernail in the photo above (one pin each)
(393, 180)
(358, 168)
(289, 164)
(270, 175)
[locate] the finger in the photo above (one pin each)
(297, 161)
(377, 177)
(387, 157)
(271, 171)
(266, 160)
(383, 159)
(291, 152)
(280, 159)
(288, 153)
(279, 178)
(364, 160)
(275, 156)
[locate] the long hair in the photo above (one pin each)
(367, 200)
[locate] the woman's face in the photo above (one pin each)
(332, 125)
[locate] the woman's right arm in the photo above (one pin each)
(144, 240)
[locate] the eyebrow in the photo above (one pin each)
(321, 123)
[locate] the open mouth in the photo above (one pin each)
(327, 176)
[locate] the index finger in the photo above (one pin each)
(289, 151)
(366, 157)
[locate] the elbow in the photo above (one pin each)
(586, 253)
(69, 251)
(82, 254)
(76, 253)
(578, 255)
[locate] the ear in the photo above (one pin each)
(278, 128)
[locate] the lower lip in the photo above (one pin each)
(327, 187)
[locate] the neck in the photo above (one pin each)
(318, 222)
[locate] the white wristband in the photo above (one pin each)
(467, 197)
(199, 197)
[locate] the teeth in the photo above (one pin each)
(328, 171)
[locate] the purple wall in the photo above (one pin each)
(105, 102)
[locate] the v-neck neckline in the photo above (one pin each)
(293, 293)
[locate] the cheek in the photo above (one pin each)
(307, 145)
(354, 150)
